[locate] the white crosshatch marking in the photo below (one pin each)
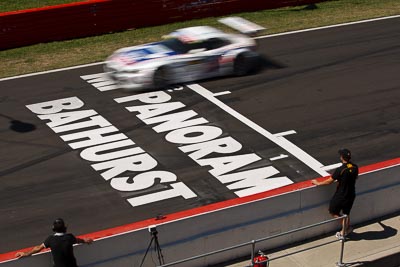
(222, 93)
(285, 133)
(281, 156)
(331, 167)
(277, 139)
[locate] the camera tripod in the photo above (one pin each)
(157, 248)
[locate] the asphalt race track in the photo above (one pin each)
(320, 91)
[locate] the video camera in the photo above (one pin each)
(152, 229)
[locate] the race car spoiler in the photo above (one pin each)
(242, 25)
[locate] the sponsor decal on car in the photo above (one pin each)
(143, 53)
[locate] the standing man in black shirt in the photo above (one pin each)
(60, 244)
(343, 199)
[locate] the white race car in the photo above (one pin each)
(187, 55)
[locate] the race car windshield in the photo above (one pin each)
(176, 45)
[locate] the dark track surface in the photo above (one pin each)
(337, 87)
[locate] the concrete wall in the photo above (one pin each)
(94, 17)
(377, 196)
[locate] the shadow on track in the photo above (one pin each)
(19, 126)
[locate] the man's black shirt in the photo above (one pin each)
(61, 249)
(346, 176)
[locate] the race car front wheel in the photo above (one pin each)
(246, 63)
(161, 78)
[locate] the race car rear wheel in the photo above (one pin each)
(246, 63)
(161, 78)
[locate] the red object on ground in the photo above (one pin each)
(260, 260)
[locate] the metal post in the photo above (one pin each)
(253, 248)
(342, 241)
(340, 263)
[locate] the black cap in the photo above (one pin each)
(59, 226)
(345, 153)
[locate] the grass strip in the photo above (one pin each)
(55, 55)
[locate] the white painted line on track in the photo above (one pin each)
(285, 133)
(222, 93)
(327, 27)
(388, 167)
(281, 156)
(331, 167)
(50, 71)
(259, 37)
(279, 140)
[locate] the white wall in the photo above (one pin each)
(377, 196)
